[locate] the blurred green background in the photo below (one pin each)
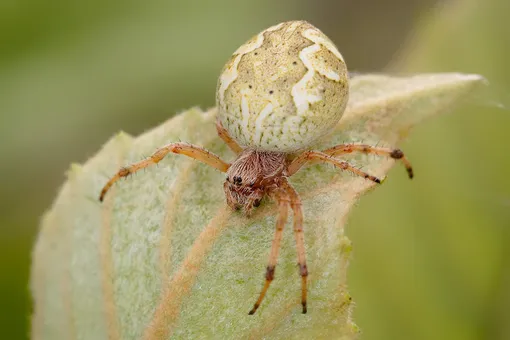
(431, 256)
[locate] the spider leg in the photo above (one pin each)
(295, 203)
(396, 154)
(275, 247)
(189, 150)
(307, 156)
(231, 143)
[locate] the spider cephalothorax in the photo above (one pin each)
(280, 92)
(250, 176)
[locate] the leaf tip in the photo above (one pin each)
(74, 170)
(123, 136)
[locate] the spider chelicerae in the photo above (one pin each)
(254, 174)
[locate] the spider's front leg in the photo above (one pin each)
(275, 248)
(189, 150)
(328, 156)
(318, 156)
(295, 204)
(396, 154)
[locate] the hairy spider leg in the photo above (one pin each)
(223, 133)
(307, 156)
(275, 247)
(396, 154)
(189, 150)
(295, 204)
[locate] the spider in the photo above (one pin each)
(281, 91)
(254, 174)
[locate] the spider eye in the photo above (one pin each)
(228, 179)
(252, 184)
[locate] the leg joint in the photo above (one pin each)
(159, 155)
(309, 155)
(270, 273)
(303, 270)
(397, 154)
(123, 172)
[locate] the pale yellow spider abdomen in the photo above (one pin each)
(283, 89)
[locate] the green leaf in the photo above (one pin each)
(164, 257)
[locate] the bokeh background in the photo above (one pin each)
(431, 256)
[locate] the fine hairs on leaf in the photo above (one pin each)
(163, 257)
